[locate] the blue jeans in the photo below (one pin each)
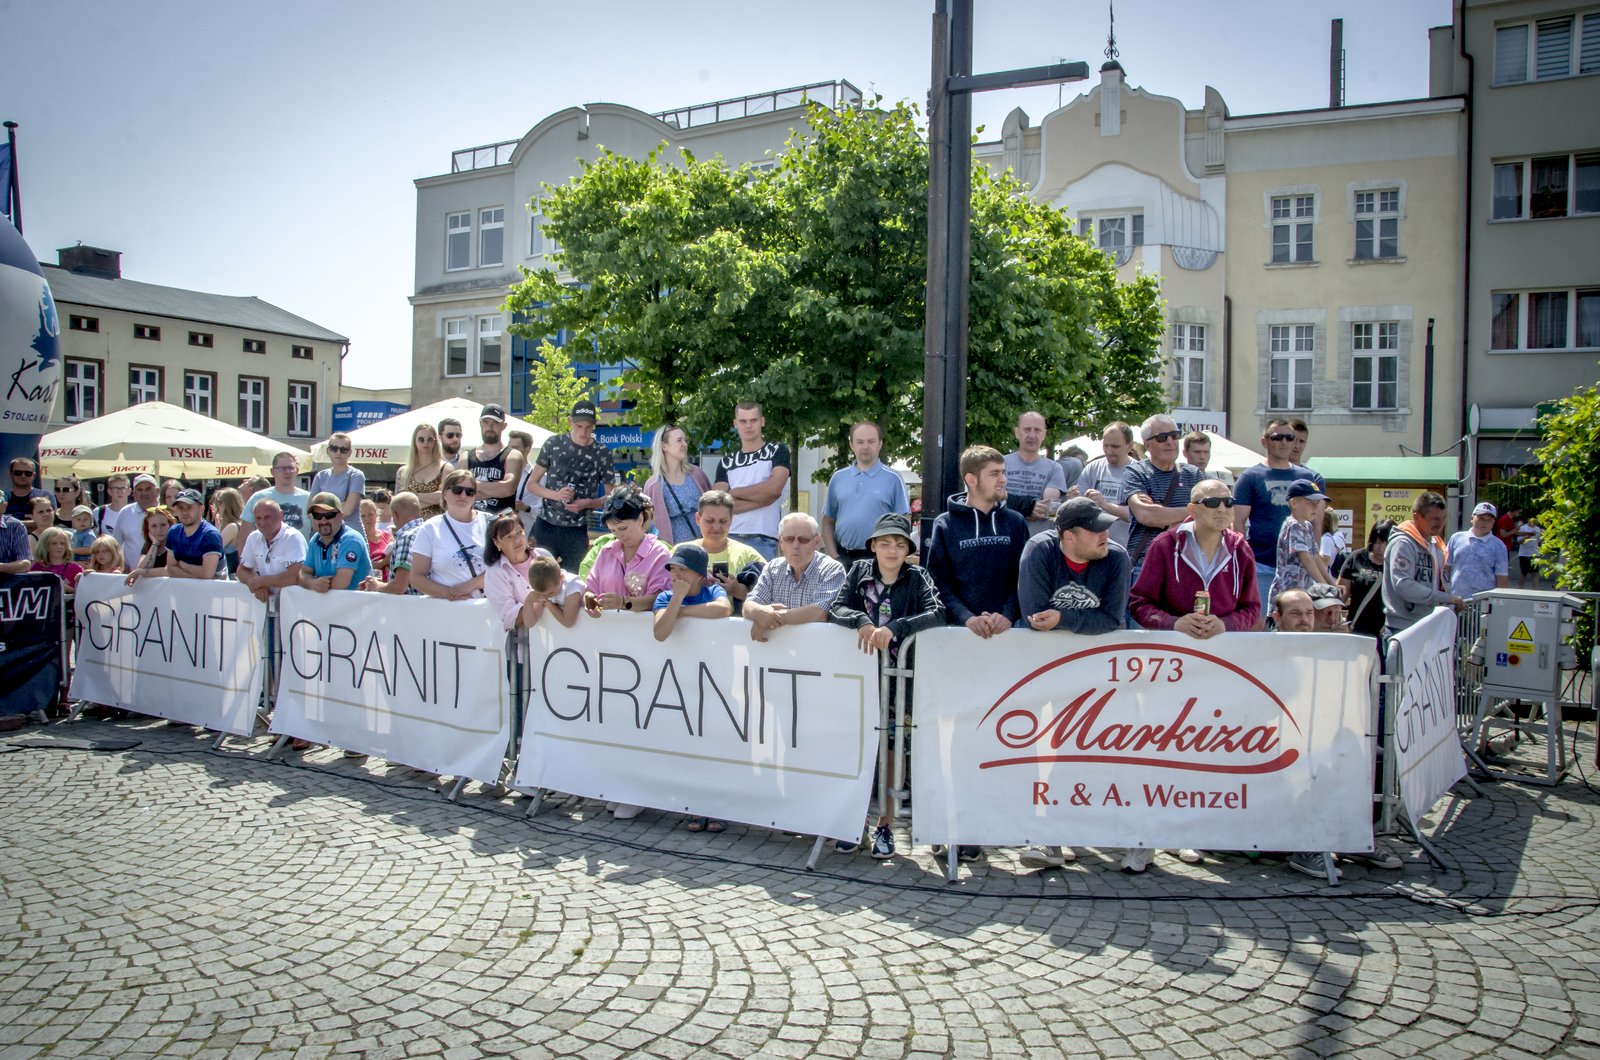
(1264, 577)
(767, 546)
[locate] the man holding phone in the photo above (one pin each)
(727, 556)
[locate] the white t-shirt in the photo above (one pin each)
(454, 551)
(1530, 544)
(287, 550)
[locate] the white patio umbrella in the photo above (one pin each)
(159, 439)
(389, 441)
(1224, 453)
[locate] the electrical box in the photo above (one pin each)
(1524, 641)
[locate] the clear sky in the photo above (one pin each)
(268, 149)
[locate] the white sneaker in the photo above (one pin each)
(1190, 856)
(1136, 859)
(1042, 858)
(611, 807)
(626, 811)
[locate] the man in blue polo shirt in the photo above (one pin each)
(858, 495)
(194, 546)
(336, 556)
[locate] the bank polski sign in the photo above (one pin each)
(30, 356)
(1250, 741)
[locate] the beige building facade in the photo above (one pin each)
(1306, 258)
(237, 359)
(478, 223)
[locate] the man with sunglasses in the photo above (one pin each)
(1261, 498)
(290, 499)
(347, 483)
(1157, 488)
(1203, 555)
(24, 488)
(336, 556)
(449, 431)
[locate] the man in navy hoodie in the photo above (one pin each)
(976, 547)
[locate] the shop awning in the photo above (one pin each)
(1389, 470)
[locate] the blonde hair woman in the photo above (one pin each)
(227, 515)
(674, 486)
(424, 470)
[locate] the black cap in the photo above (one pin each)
(493, 411)
(583, 410)
(1083, 513)
(889, 525)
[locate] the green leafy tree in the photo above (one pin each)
(553, 388)
(1570, 514)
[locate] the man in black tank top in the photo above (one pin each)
(497, 467)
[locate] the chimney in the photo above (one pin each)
(91, 261)
(1336, 66)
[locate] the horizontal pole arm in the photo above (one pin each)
(1033, 75)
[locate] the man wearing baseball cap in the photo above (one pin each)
(693, 593)
(336, 556)
(194, 546)
(1074, 578)
(572, 475)
(1300, 564)
(1478, 558)
(496, 466)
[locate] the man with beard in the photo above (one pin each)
(449, 431)
(497, 467)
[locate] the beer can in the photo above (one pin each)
(1202, 602)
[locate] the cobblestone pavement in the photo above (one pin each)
(173, 900)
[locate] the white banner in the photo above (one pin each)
(174, 648)
(410, 679)
(1249, 741)
(709, 723)
(1428, 757)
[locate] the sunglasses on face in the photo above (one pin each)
(65, 489)
(21, 474)
(1164, 436)
(338, 448)
(1216, 502)
(463, 491)
(1280, 437)
(322, 517)
(451, 437)
(426, 439)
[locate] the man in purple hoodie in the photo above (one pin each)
(1203, 554)
(976, 546)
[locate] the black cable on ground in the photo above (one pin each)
(1471, 906)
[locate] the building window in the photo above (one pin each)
(1378, 224)
(147, 331)
(1292, 349)
(539, 242)
(1189, 365)
(77, 323)
(457, 241)
(489, 345)
(1551, 186)
(300, 353)
(1550, 47)
(455, 346)
(491, 237)
(253, 403)
(1375, 366)
(302, 409)
(201, 338)
(255, 346)
(144, 384)
(81, 397)
(1292, 221)
(198, 388)
(1545, 320)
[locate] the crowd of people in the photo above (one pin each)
(1126, 540)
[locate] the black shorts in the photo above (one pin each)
(1525, 564)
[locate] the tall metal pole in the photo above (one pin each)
(934, 486)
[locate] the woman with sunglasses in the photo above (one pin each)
(1199, 577)
(447, 553)
(424, 470)
(69, 494)
(347, 483)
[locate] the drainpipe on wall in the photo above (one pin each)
(1468, 465)
(1427, 393)
(1227, 360)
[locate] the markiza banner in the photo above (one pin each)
(1428, 755)
(176, 648)
(781, 734)
(32, 627)
(410, 679)
(1247, 741)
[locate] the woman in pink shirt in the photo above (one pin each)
(631, 569)
(506, 583)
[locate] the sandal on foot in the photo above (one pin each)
(695, 824)
(714, 825)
